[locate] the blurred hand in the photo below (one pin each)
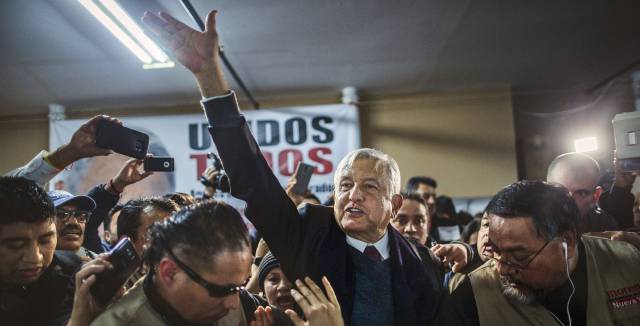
(295, 198)
(82, 144)
(319, 310)
(194, 49)
(263, 317)
(85, 307)
(130, 173)
(453, 253)
(629, 237)
(210, 174)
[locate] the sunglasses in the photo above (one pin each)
(214, 290)
(81, 216)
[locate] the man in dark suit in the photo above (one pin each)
(377, 276)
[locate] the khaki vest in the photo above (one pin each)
(134, 309)
(613, 276)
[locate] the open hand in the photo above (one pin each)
(318, 309)
(194, 49)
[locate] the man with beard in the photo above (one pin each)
(72, 213)
(542, 272)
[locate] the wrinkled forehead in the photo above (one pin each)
(362, 168)
(509, 231)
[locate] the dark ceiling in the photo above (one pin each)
(54, 51)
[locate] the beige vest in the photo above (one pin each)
(134, 309)
(613, 276)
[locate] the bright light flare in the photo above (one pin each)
(588, 144)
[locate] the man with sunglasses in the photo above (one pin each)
(72, 213)
(199, 261)
(542, 272)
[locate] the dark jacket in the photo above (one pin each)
(310, 242)
(618, 202)
(105, 201)
(48, 301)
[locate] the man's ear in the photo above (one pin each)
(571, 238)
(396, 203)
(597, 193)
(167, 271)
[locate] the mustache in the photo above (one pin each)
(71, 228)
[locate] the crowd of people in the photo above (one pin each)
(561, 251)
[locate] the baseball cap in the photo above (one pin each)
(61, 197)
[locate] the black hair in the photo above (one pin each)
(414, 182)
(199, 232)
(444, 205)
(550, 206)
(415, 197)
(107, 219)
(22, 200)
(471, 228)
(129, 219)
(181, 198)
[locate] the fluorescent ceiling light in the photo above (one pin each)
(588, 144)
(116, 20)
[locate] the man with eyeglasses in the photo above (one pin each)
(72, 213)
(199, 261)
(542, 272)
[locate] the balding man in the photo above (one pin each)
(377, 276)
(579, 173)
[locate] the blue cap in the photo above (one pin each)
(61, 197)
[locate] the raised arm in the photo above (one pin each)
(268, 206)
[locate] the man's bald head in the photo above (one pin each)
(572, 165)
(579, 173)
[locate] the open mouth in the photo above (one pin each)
(285, 301)
(354, 211)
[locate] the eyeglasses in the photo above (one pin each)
(81, 216)
(214, 290)
(514, 263)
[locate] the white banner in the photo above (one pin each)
(317, 135)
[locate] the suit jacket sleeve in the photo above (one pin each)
(104, 203)
(268, 207)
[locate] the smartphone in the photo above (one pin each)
(125, 262)
(121, 139)
(303, 176)
(159, 164)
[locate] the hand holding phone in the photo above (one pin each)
(159, 164)
(125, 262)
(302, 177)
(121, 139)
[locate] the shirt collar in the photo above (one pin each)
(381, 245)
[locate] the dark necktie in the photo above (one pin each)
(372, 253)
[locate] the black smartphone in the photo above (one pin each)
(125, 262)
(303, 176)
(121, 139)
(158, 164)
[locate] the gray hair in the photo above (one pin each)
(384, 163)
